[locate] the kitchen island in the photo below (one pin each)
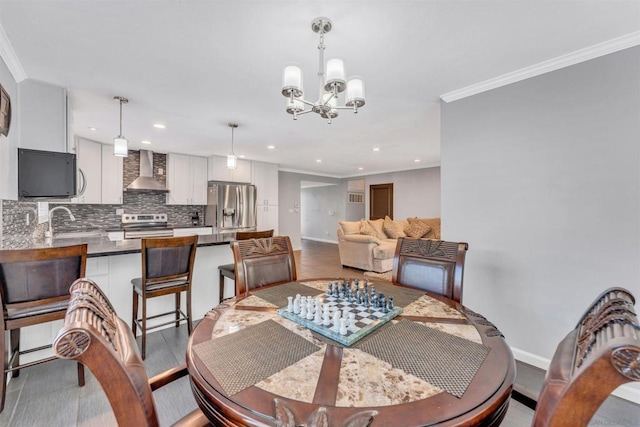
(112, 265)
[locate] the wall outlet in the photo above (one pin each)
(119, 211)
(160, 171)
(43, 212)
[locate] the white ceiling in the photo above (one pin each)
(197, 65)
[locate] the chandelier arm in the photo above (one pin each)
(300, 113)
(306, 102)
(321, 66)
(333, 95)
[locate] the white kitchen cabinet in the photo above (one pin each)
(218, 171)
(43, 116)
(179, 232)
(265, 177)
(111, 176)
(89, 163)
(267, 218)
(186, 180)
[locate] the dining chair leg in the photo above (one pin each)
(178, 309)
(15, 348)
(80, 374)
(221, 284)
(189, 321)
(144, 327)
(134, 323)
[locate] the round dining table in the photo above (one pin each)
(437, 363)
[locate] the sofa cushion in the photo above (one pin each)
(434, 223)
(385, 250)
(377, 225)
(393, 229)
(417, 228)
(367, 229)
(350, 227)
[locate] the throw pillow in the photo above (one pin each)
(377, 225)
(434, 223)
(366, 229)
(416, 228)
(392, 228)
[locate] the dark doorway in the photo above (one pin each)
(380, 201)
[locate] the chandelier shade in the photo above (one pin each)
(120, 143)
(332, 82)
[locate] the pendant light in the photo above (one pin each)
(120, 143)
(232, 160)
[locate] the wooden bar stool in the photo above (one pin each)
(229, 270)
(167, 268)
(34, 289)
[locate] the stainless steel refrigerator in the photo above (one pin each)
(231, 207)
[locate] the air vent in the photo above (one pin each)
(356, 197)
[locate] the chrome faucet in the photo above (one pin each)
(49, 232)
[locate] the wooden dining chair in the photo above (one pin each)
(229, 270)
(167, 268)
(262, 262)
(431, 265)
(601, 353)
(94, 335)
(34, 289)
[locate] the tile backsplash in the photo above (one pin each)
(18, 231)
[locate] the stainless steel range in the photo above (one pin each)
(138, 226)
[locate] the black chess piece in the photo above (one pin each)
(383, 304)
(390, 303)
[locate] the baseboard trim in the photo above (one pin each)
(626, 392)
(315, 239)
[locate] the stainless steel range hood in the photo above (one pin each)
(146, 181)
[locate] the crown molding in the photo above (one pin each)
(10, 58)
(591, 52)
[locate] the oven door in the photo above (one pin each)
(141, 233)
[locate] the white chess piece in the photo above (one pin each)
(352, 321)
(336, 319)
(296, 305)
(290, 304)
(309, 309)
(317, 317)
(343, 326)
(303, 309)
(326, 321)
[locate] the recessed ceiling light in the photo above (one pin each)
(242, 156)
(417, 160)
(159, 126)
(360, 168)
(271, 147)
(376, 149)
(318, 160)
(93, 129)
(146, 142)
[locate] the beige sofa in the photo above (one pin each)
(371, 244)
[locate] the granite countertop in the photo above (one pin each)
(98, 246)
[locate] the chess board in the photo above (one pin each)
(366, 319)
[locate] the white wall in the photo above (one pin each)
(542, 179)
(9, 143)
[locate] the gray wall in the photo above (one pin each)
(321, 208)
(415, 192)
(542, 178)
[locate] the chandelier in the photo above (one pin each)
(331, 81)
